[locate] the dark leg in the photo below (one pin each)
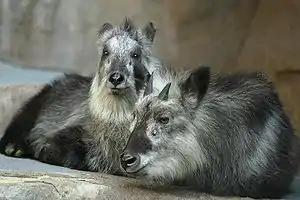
(65, 148)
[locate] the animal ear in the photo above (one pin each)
(197, 83)
(149, 31)
(128, 25)
(105, 27)
(164, 94)
(149, 87)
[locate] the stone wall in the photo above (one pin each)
(247, 35)
(62, 34)
(231, 35)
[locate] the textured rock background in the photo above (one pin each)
(228, 35)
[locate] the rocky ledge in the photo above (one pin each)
(81, 185)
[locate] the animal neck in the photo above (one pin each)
(107, 107)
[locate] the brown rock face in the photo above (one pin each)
(243, 36)
(273, 46)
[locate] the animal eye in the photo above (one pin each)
(105, 52)
(154, 133)
(135, 55)
(163, 120)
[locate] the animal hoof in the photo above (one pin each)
(9, 150)
(19, 153)
(12, 150)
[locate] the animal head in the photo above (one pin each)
(123, 68)
(124, 53)
(163, 143)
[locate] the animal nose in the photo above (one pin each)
(129, 161)
(116, 78)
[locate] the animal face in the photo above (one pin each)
(124, 52)
(163, 143)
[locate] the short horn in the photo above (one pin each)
(164, 94)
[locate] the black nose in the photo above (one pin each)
(116, 78)
(128, 160)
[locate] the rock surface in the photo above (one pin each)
(81, 185)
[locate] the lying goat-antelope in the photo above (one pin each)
(81, 122)
(223, 135)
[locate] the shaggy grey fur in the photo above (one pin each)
(224, 135)
(81, 122)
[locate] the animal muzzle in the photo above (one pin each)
(130, 162)
(116, 79)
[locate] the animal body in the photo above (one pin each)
(223, 135)
(81, 122)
